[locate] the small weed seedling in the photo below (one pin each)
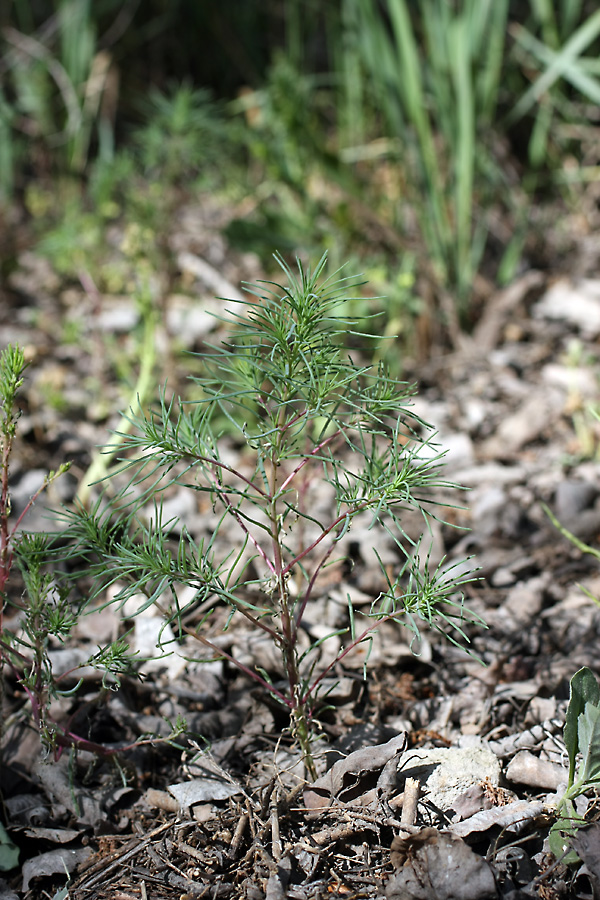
(284, 385)
(44, 613)
(40, 616)
(582, 740)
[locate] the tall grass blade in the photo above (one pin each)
(464, 154)
(562, 65)
(437, 68)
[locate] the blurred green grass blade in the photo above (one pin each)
(411, 87)
(562, 62)
(465, 148)
(24, 15)
(490, 32)
(347, 61)
(588, 64)
(538, 142)
(78, 49)
(377, 49)
(576, 73)
(543, 11)
(570, 13)
(77, 39)
(436, 64)
(7, 149)
(437, 67)
(585, 84)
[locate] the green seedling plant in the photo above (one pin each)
(44, 613)
(582, 740)
(12, 547)
(577, 542)
(12, 366)
(308, 417)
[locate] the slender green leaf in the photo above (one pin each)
(588, 732)
(562, 62)
(584, 690)
(9, 852)
(465, 151)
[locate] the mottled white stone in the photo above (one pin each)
(446, 773)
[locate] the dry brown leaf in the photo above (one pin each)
(53, 863)
(586, 844)
(436, 865)
(354, 776)
(513, 817)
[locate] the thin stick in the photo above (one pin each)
(412, 789)
(275, 833)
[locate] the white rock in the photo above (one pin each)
(577, 379)
(490, 473)
(118, 314)
(486, 509)
(445, 774)
(459, 450)
(155, 643)
(576, 303)
(191, 319)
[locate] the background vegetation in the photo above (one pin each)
(432, 143)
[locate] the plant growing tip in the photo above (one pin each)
(582, 740)
(285, 386)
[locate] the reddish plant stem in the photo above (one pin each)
(288, 647)
(8, 649)
(300, 614)
(5, 552)
(64, 738)
(247, 671)
(340, 656)
(306, 460)
(215, 463)
(287, 630)
(337, 521)
(29, 504)
(224, 498)
(225, 655)
(258, 624)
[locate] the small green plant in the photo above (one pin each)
(45, 612)
(12, 366)
(185, 136)
(313, 422)
(582, 740)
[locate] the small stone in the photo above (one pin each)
(486, 511)
(577, 304)
(525, 768)
(503, 577)
(446, 773)
(525, 600)
(572, 497)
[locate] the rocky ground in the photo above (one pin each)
(439, 775)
